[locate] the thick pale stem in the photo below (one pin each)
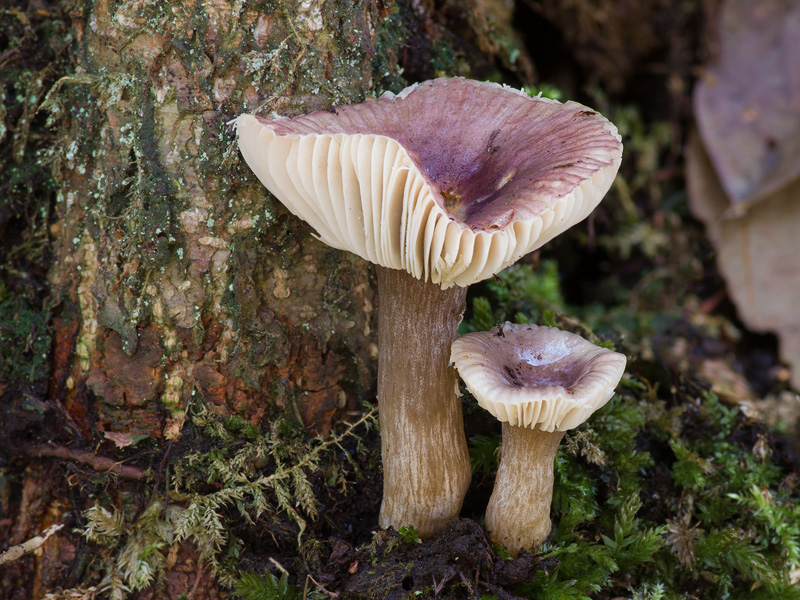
(426, 469)
(518, 514)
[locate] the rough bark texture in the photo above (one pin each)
(518, 513)
(185, 277)
(426, 470)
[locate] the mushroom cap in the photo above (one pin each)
(535, 376)
(451, 180)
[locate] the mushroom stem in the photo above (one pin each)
(426, 470)
(518, 514)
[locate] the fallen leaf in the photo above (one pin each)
(746, 103)
(123, 440)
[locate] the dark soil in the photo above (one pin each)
(456, 563)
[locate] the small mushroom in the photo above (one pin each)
(440, 186)
(540, 382)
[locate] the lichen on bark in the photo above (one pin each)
(164, 231)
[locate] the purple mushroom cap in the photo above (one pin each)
(451, 180)
(535, 376)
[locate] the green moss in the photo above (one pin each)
(664, 493)
(445, 61)
(521, 293)
(241, 476)
(546, 90)
(32, 44)
(24, 341)
(389, 40)
(728, 529)
(251, 586)
(153, 231)
(484, 453)
(409, 534)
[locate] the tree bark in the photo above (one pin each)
(179, 276)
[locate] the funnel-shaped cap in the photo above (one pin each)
(451, 180)
(535, 376)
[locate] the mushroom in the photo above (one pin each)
(440, 186)
(539, 381)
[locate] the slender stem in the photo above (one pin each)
(518, 514)
(426, 469)
(33, 544)
(100, 463)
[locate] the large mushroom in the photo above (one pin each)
(440, 186)
(539, 382)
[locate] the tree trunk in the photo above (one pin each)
(179, 276)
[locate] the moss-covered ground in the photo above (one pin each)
(667, 492)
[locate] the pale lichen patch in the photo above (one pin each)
(281, 290)
(173, 401)
(87, 338)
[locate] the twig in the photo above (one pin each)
(466, 583)
(100, 463)
(320, 586)
(196, 581)
(279, 565)
(438, 587)
(32, 544)
(6, 57)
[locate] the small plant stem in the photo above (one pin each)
(518, 514)
(308, 460)
(426, 470)
(99, 463)
(33, 544)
